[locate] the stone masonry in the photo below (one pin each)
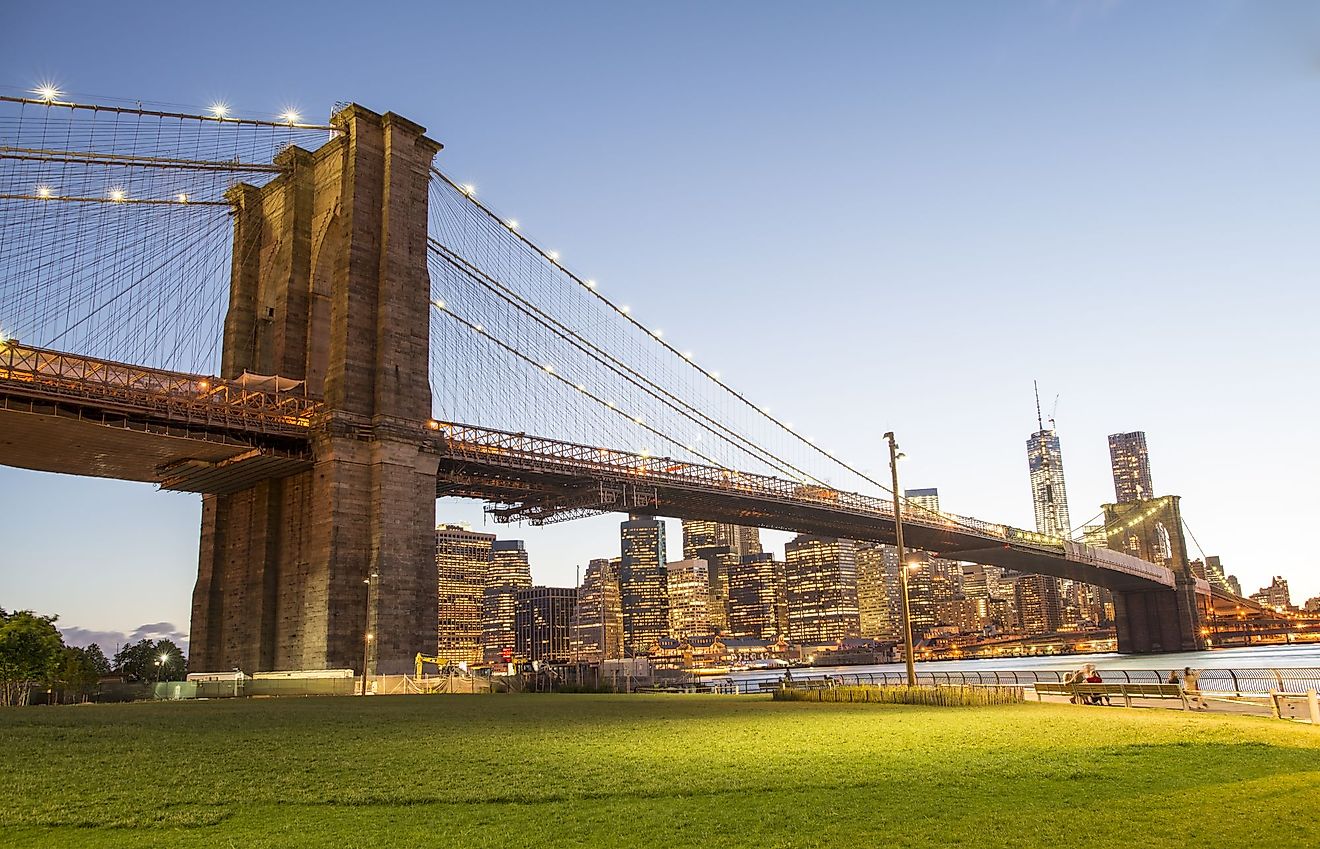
(329, 286)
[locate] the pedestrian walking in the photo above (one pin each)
(1192, 688)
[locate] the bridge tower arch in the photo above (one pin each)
(1157, 620)
(329, 285)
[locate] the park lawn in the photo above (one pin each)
(640, 771)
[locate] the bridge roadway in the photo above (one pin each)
(74, 415)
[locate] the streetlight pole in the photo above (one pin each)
(367, 635)
(902, 565)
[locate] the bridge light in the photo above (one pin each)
(118, 195)
(625, 310)
(687, 355)
(591, 284)
(219, 109)
(433, 424)
(581, 387)
(203, 385)
(469, 189)
(181, 197)
(715, 375)
(658, 333)
(290, 116)
(438, 304)
(554, 255)
(637, 419)
(511, 224)
(480, 329)
(47, 92)
(549, 368)
(44, 191)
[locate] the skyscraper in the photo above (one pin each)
(688, 585)
(1048, 493)
(1131, 465)
(509, 572)
(462, 560)
(874, 603)
(598, 619)
(643, 582)
(757, 597)
(542, 620)
(722, 546)
(1038, 604)
(821, 580)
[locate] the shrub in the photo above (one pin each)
(938, 696)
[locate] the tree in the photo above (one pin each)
(30, 654)
(80, 671)
(151, 660)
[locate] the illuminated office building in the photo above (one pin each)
(821, 579)
(1038, 604)
(643, 582)
(758, 605)
(542, 623)
(509, 572)
(1131, 466)
(688, 585)
(462, 560)
(722, 546)
(598, 620)
(1048, 492)
(926, 500)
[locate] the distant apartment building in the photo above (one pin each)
(543, 619)
(1130, 463)
(462, 561)
(688, 587)
(598, 619)
(509, 571)
(643, 582)
(821, 579)
(758, 598)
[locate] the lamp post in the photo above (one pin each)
(367, 635)
(902, 565)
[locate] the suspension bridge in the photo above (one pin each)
(321, 332)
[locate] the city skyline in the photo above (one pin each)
(572, 173)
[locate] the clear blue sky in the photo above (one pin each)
(874, 215)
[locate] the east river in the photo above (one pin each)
(1251, 657)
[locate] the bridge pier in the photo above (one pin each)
(1158, 620)
(330, 286)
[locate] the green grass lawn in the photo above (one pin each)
(636, 771)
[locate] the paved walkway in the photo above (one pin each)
(1243, 705)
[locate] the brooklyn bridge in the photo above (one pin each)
(321, 332)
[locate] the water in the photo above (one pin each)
(1253, 657)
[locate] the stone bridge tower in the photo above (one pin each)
(1155, 620)
(330, 286)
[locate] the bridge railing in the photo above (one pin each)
(520, 450)
(1237, 682)
(197, 399)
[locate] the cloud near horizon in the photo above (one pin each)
(112, 641)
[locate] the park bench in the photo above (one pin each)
(1296, 705)
(1125, 690)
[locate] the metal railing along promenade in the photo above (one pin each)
(1236, 682)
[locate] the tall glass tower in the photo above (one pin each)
(643, 582)
(1048, 494)
(1131, 464)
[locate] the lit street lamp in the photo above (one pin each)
(902, 565)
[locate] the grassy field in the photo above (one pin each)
(564, 770)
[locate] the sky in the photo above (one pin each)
(876, 216)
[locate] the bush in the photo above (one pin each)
(939, 696)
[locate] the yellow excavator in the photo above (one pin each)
(421, 658)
